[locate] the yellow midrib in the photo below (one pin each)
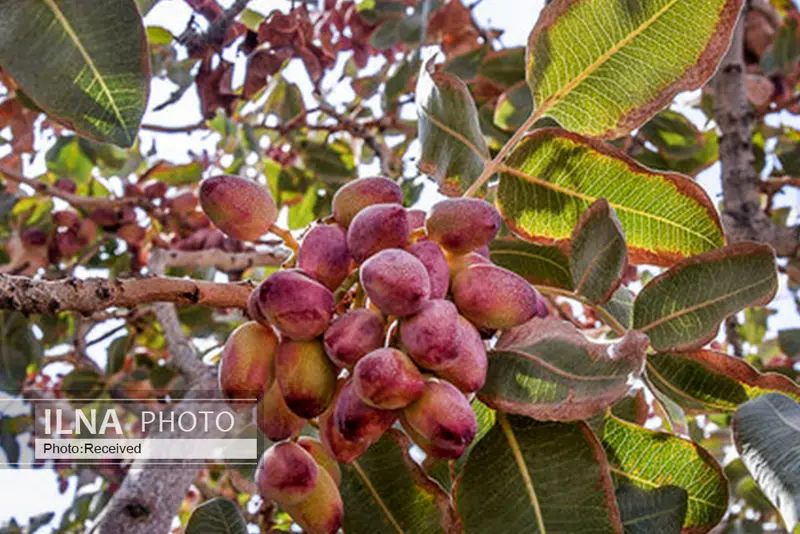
(561, 93)
(588, 198)
(690, 309)
(523, 469)
(377, 497)
(86, 57)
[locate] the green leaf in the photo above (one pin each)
(10, 428)
(528, 477)
(453, 147)
(552, 176)
(705, 381)
(504, 67)
(683, 308)
(599, 256)
(539, 265)
(650, 460)
(86, 64)
(82, 384)
(548, 370)
(217, 516)
(177, 175)
(621, 306)
(766, 432)
(602, 68)
(513, 107)
(19, 349)
(672, 134)
(68, 158)
(661, 510)
(789, 342)
(285, 100)
(384, 490)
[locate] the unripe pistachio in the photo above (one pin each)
(462, 225)
(183, 203)
(387, 379)
(241, 208)
(396, 282)
(468, 371)
(306, 376)
(286, 474)
(299, 307)
(416, 219)
(324, 255)
(354, 196)
(492, 297)
(321, 456)
(340, 448)
(322, 512)
(104, 217)
(67, 218)
(429, 335)
(356, 420)
(274, 417)
(197, 220)
(376, 228)
(352, 335)
(246, 367)
(441, 422)
(435, 262)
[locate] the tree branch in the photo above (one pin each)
(27, 295)
(43, 188)
(226, 261)
(743, 216)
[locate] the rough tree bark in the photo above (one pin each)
(149, 498)
(743, 216)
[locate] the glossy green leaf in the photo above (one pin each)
(766, 432)
(650, 460)
(661, 510)
(683, 308)
(504, 67)
(453, 147)
(705, 381)
(789, 342)
(598, 257)
(66, 57)
(384, 490)
(528, 477)
(539, 265)
(171, 174)
(217, 516)
(602, 68)
(620, 306)
(513, 107)
(19, 349)
(548, 370)
(672, 134)
(553, 176)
